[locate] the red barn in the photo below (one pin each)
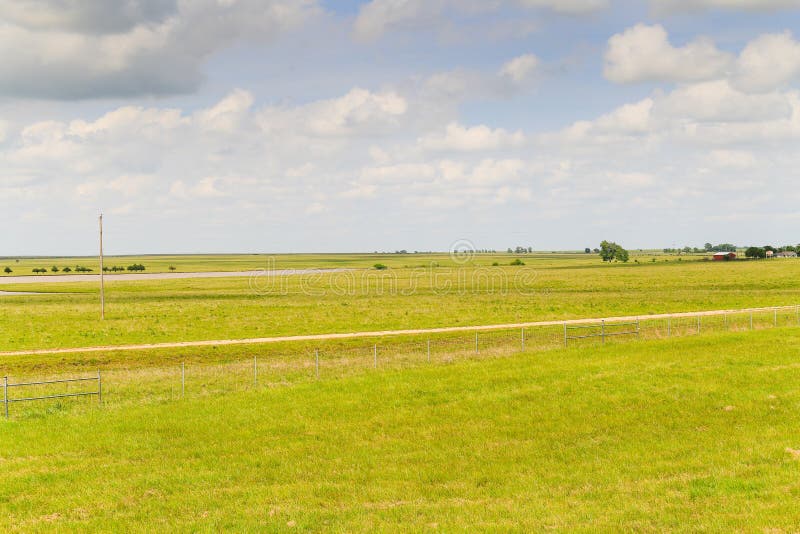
(724, 256)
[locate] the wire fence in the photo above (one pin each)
(342, 359)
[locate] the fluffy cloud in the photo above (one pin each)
(477, 138)
(71, 50)
(379, 16)
(644, 53)
(768, 62)
(520, 68)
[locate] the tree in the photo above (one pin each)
(611, 251)
(709, 247)
(8, 270)
(587, 250)
(755, 253)
(54, 269)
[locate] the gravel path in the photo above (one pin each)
(383, 333)
(58, 279)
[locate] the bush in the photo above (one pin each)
(66, 270)
(54, 269)
(171, 267)
(136, 267)
(496, 264)
(380, 267)
(517, 262)
(82, 269)
(8, 270)
(39, 270)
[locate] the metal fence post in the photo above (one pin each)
(565, 335)
(603, 330)
(183, 379)
(523, 340)
(99, 388)
(638, 329)
(5, 394)
(375, 355)
(316, 360)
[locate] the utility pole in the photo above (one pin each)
(102, 281)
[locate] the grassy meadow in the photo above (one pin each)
(690, 434)
(416, 291)
(695, 432)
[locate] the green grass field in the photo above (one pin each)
(683, 435)
(558, 287)
(694, 433)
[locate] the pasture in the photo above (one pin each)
(684, 435)
(422, 295)
(691, 433)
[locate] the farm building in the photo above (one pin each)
(724, 256)
(770, 254)
(786, 254)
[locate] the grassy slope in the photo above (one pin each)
(684, 435)
(557, 287)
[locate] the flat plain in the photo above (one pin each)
(691, 433)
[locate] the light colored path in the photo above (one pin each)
(111, 277)
(385, 333)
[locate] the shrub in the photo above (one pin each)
(66, 270)
(136, 267)
(54, 269)
(8, 270)
(517, 262)
(171, 267)
(380, 267)
(496, 264)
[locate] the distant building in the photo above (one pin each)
(724, 256)
(786, 254)
(770, 254)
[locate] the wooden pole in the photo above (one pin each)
(102, 280)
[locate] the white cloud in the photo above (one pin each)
(72, 50)
(768, 62)
(717, 101)
(359, 111)
(643, 53)
(521, 68)
(379, 16)
(476, 138)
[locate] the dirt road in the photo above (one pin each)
(382, 333)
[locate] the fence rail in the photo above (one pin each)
(341, 357)
(8, 400)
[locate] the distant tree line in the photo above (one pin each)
(520, 250)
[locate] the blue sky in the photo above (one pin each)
(304, 125)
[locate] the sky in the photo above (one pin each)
(262, 126)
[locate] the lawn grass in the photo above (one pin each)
(547, 287)
(690, 434)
